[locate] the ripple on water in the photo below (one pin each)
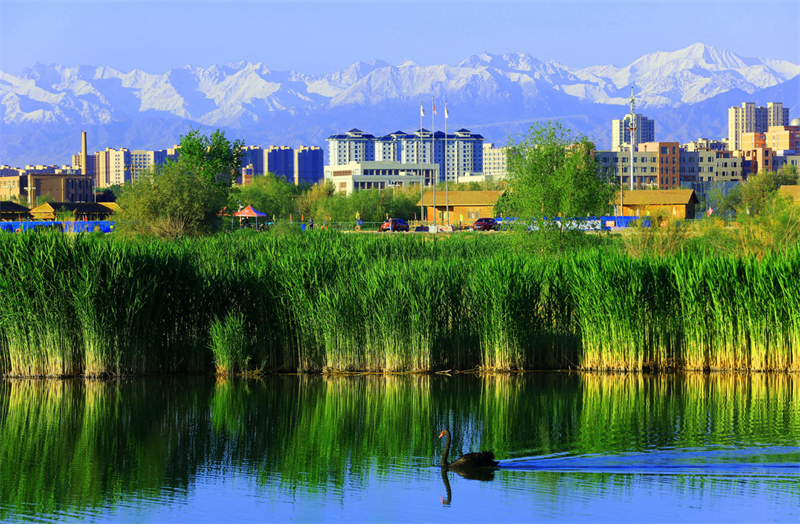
(751, 461)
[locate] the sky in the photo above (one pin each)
(319, 37)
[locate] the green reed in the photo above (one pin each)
(86, 305)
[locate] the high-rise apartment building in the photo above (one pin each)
(141, 160)
(253, 159)
(752, 119)
(621, 132)
(457, 154)
(309, 165)
(279, 160)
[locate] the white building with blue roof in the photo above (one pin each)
(462, 150)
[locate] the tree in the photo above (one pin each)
(171, 201)
(269, 194)
(551, 173)
(215, 158)
(760, 189)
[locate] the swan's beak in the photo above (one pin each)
(441, 434)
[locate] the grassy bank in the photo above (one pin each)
(107, 306)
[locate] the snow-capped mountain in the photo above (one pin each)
(492, 94)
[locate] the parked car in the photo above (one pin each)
(394, 224)
(485, 224)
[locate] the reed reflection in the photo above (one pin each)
(92, 444)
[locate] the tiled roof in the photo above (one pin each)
(652, 197)
(12, 207)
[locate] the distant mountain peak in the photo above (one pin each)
(485, 89)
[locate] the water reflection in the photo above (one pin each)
(89, 448)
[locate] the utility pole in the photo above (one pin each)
(632, 128)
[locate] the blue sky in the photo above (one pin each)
(318, 37)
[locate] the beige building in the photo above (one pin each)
(749, 119)
(63, 186)
(354, 176)
(113, 167)
(495, 162)
(463, 206)
(783, 138)
(706, 144)
(663, 165)
(673, 203)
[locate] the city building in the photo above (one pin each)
(665, 165)
(112, 167)
(755, 159)
(62, 185)
(279, 160)
(354, 176)
(141, 159)
(254, 160)
(621, 133)
(309, 165)
(706, 144)
(780, 160)
(457, 154)
(495, 161)
(752, 119)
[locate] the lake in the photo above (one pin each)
(572, 447)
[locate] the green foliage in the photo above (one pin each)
(214, 158)
(172, 201)
(657, 234)
(230, 343)
(315, 302)
(552, 173)
(269, 194)
(760, 190)
(372, 205)
(64, 215)
(775, 228)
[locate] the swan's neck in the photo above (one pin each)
(446, 449)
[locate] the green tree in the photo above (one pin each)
(758, 192)
(551, 173)
(171, 201)
(215, 158)
(269, 194)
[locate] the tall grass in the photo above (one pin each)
(331, 302)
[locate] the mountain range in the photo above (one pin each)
(686, 91)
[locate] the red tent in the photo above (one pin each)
(250, 212)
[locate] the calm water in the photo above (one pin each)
(573, 447)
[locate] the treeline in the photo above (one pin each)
(93, 305)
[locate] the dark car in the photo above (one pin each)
(394, 224)
(485, 224)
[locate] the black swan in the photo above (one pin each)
(483, 459)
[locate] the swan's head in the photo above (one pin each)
(443, 433)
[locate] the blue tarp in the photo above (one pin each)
(79, 226)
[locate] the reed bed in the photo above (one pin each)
(319, 302)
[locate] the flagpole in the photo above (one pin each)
(421, 172)
(446, 194)
(433, 144)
